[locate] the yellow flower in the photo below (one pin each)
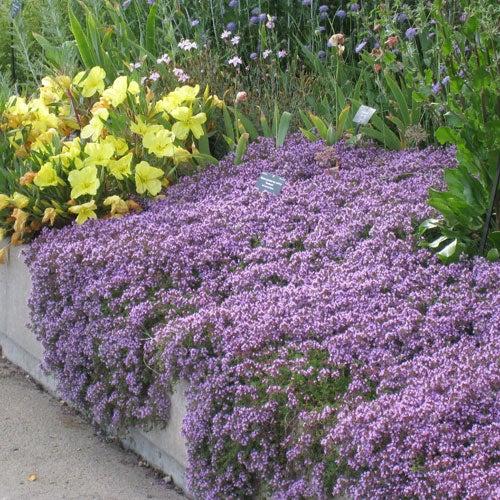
(17, 106)
(4, 201)
(120, 168)
(133, 88)
(120, 145)
(96, 125)
(187, 122)
(83, 181)
(47, 176)
(167, 104)
(49, 215)
(140, 127)
(186, 93)
(117, 93)
(19, 200)
(118, 206)
(84, 211)
(147, 178)
(99, 153)
(92, 83)
(160, 143)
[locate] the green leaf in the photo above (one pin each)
(249, 127)
(493, 255)
(150, 42)
(241, 148)
(266, 129)
(402, 105)
(228, 124)
(320, 125)
(284, 125)
(494, 239)
(341, 121)
(309, 135)
(449, 251)
(81, 41)
(438, 241)
(446, 134)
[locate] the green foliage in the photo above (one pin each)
(472, 95)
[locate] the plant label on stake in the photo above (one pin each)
(15, 8)
(270, 183)
(362, 116)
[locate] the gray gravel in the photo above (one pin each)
(47, 452)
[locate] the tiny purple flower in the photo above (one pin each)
(355, 7)
(360, 47)
(231, 26)
(321, 54)
(411, 33)
(341, 14)
(445, 80)
(323, 8)
(306, 2)
(233, 3)
(436, 88)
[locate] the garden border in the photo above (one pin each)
(164, 449)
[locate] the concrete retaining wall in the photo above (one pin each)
(164, 449)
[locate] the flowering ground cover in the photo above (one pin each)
(326, 351)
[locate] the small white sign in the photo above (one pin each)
(363, 114)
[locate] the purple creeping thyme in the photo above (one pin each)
(325, 351)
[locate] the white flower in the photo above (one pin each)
(281, 54)
(164, 59)
(235, 40)
(181, 76)
(235, 61)
(225, 34)
(187, 45)
(154, 76)
(266, 53)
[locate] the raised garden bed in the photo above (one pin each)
(326, 352)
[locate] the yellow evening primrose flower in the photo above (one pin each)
(187, 122)
(74, 147)
(147, 178)
(120, 168)
(92, 83)
(99, 153)
(49, 215)
(133, 88)
(120, 145)
(4, 201)
(186, 94)
(117, 93)
(19, 200)
(83, 181)
(160, 143)
(84, 211)
(96, 125)
(16, 106)
(140, 128)
(47, 176)
(117, 205)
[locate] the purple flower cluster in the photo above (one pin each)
(326, 353)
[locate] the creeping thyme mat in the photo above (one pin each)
(325, 351)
